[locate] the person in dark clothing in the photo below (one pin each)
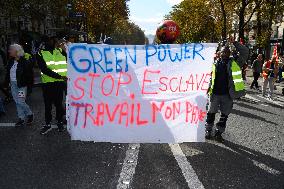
(281, 65)
(53, 65)
(221, 81)
(256, 68)
(4, 85)
(226, 84)
(18, 76)
(3, 56)
(31, 60)
(244, 72)
(2, 81)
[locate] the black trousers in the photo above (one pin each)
(221, 125)
(6, 92)
(53, 95)
(255, 79)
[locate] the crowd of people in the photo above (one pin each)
(227, 82)
(17, 79)
(271, 72)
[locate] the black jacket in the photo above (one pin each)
(24, 78)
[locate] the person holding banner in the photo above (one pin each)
(226, 84)
(53, 65)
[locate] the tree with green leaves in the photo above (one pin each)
(270, 12)
(128, 33)
(196, 21)
(102, 15)
(34, 10)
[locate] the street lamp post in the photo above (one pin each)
(69, 8)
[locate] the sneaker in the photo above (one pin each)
(20, 123)
(45, 129)
(60, 127)
(30, 119)
(208, 135)
(269, 98)
(218, 136)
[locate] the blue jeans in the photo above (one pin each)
(19, 96)
(1, 105)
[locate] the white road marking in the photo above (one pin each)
(256, 163)
(129, 165)
(7, 124)
(54, 126)
(187, 170)
(272, 101)
(13, 125)
(252, 98)
(188, 151)
(281, 98)
(266, 168)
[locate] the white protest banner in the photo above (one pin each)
(138, 94)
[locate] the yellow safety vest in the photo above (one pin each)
(236, 74)
(56, 62)
(27, 56)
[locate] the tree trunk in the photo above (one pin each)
(270, 22)
(259, 31)
(242, 20)
(224, 27)
(259, 25)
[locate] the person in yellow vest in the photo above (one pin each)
(226, 84)
(53, 66)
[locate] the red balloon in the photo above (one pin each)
(168, 31)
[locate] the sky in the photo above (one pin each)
(149, 13)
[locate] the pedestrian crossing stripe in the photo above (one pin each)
(277, 100)
(7, 124)
(252, 98)
(13, 125)
(272, 101)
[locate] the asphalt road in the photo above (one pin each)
(252, 157)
